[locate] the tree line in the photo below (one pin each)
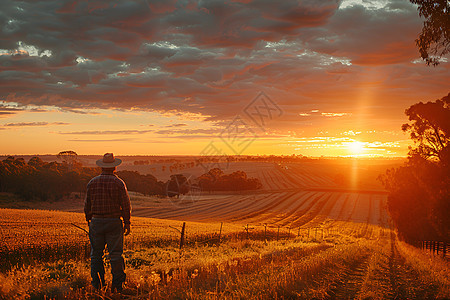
(217, 180)
(50, 181)
(39, 180)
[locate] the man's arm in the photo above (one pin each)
(88, 205)
(126, 209)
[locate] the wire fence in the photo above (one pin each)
(436, 248)
(18, 248)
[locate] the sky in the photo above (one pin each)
(168, 77)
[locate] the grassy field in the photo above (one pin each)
(352, 261)
(303, 236)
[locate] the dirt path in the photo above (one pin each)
(391, 274)
(395, 266)
(405, 281)
(352, 280)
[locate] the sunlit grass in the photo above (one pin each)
(352, 260)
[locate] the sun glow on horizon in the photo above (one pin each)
(356, 148)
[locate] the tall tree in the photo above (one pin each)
(434, 40)
(430, 129)
(419, 191)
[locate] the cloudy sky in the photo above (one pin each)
(208, 77)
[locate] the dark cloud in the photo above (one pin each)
(129, 140)
(10, 109)
(190, 131)
(78, 111)
(99, 132)
(209, 57)
(245, 23)
(26, 124)
(177, 125)
(191, 137)
(6, 111)
(102, 141)
(370, 36)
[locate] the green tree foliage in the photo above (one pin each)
(216, 180)
(434, 40)
(419, 198)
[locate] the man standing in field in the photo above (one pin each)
(106, 202)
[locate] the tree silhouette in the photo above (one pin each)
(145, 184)
(41, 181)
(178, 184)
(418, 199)
(430, 129)
(36, 162)
(38, 180)
(434, 40)
(216, 180)
(69, 157)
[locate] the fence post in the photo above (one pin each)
(444, 250)
(265, 231)
(298, 234)
(315, 235)
(278, 232)
(220, 232)
(182, 235)
(289, 232)
(308, 233)
(246, 229)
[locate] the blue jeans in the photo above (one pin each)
(109, 232)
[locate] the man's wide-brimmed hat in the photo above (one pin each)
(108, 161)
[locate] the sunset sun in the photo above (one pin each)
(356, 147)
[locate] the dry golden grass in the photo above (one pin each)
(431, 270)
(357, 262)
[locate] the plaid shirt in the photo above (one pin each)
(107, 195)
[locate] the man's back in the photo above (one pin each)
(107, 195)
